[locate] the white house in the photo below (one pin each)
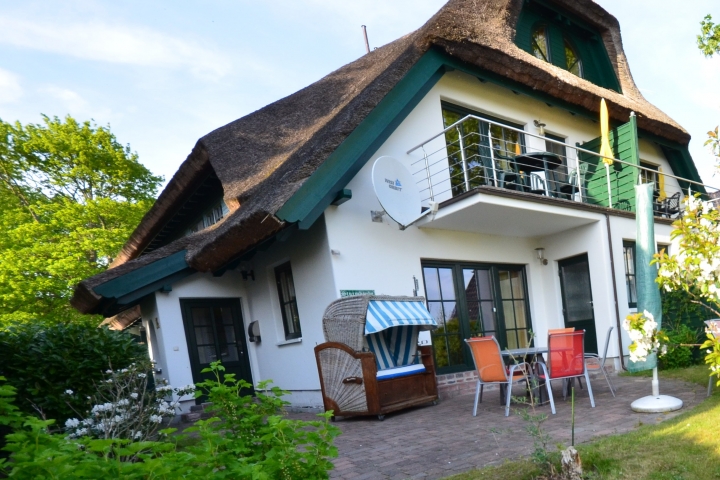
(273, 216)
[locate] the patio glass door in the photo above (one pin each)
(471, 300)
(577, 298)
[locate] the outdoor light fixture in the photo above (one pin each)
(541, 127)
(541, 255)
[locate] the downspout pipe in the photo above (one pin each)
(615, 294)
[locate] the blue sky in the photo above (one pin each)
(163, 74)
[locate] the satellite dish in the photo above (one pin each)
(396, 190)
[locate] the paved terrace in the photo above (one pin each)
(439, 441)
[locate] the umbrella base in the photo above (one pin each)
(656, 404)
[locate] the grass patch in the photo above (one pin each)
(695, 374)
(686, 447)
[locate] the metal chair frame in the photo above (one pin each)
(509, 375)
(601, 360)
(547, 373)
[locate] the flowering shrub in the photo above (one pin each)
(126, 407)
(249, 439)
(646, 338)
(695, 267)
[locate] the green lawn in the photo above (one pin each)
(684, 448)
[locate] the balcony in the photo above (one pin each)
(541, 183)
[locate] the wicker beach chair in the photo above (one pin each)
(370, 363)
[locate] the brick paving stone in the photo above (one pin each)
(437, 441)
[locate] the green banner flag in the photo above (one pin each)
(648, 291)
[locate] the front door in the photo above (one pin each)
(214, 331)
(577, 298)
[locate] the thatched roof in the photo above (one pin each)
(263, 158)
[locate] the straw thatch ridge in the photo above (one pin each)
(263, 158)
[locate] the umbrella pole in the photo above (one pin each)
(607, 175)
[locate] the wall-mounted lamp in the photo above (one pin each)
(541, 127)
(540, 252)
(377, 215)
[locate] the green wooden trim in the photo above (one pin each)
(143, 276)
(318, 191)
(343, 196)
(624, 143)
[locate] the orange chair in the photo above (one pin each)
(553, 331)
(566, 359)
(491, 369)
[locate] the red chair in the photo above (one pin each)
(566, 360)
(491, 369)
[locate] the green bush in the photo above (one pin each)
(679, 355)
(44, 361)
(249, 439)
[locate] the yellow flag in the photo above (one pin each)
(661, 185)
(518, 149)
(605, 150)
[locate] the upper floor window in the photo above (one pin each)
(649, 174)
(572, 59)
(559, 37)
(288, 302)
(540, 43)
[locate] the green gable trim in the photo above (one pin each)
(142, 277)
(597, 67)
(318, 191)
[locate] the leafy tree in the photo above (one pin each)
(709, 44)
(71, 195)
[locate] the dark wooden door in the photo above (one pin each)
(214, 330)
(577, 299)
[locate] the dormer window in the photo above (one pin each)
(572, 60)
(560, 38)
(540, 43)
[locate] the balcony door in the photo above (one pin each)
(214, 331)
(475, 299)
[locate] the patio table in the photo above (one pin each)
(538, 162)
(533, 377)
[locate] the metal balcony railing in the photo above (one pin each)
(475, 152)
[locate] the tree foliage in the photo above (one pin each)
(71, 196)
(709, 44)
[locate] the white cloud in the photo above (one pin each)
(73, 101)
(10, 89)
(99, 41)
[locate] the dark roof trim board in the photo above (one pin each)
(120, 292)
(318, 192)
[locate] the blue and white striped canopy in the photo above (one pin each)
(384, 314)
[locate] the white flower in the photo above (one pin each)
(123, 401)
(108, 371)
(124, 370)
(141, 375)
(134, 395)
(72, 423)
(81, 432)
(155, 418)
(137, 434)
(69, 392)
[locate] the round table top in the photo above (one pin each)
(537, 161)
